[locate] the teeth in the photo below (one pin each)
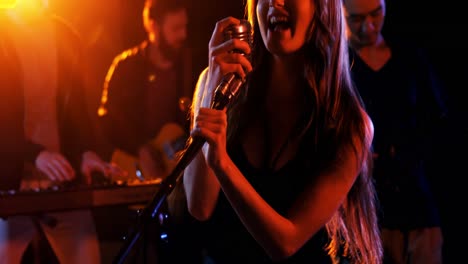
(275, 20)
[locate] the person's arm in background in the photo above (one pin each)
(80, 143)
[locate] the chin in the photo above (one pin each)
(368, 40)
(282, 49)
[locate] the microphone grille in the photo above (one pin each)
(242, 31)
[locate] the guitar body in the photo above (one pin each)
(162, 153)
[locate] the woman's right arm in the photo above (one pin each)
(200, 183)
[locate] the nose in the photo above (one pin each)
(277, 3)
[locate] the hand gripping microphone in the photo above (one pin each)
(226, 90)
(231, 83)
(224, 93)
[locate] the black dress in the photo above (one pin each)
(226, 238)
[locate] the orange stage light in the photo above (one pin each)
(8, 3)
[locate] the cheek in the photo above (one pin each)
(380, 23)
(301, 29)
(305, 15)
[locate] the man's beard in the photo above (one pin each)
(168, 51)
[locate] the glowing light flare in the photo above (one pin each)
(8, 3)
(24, 6)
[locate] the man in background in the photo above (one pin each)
(46, 138)
(144, 108)
(147, 86)
(404, 98)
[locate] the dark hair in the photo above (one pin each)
(336, 108)
(157, 9)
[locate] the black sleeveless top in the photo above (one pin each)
(226, 238)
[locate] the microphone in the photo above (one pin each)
(231, 83)
(224, 93)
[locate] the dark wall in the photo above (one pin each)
(439, 27)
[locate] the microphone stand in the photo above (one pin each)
(224, 93)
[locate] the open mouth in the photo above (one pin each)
(277, 23)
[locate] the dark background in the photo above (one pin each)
(107, 27)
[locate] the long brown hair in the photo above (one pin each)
(336, 115)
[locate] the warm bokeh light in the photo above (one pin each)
(23, 4)
(8, 3)
(25, 8)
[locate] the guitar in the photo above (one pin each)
(162, 152)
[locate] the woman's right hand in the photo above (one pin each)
(221, 58)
